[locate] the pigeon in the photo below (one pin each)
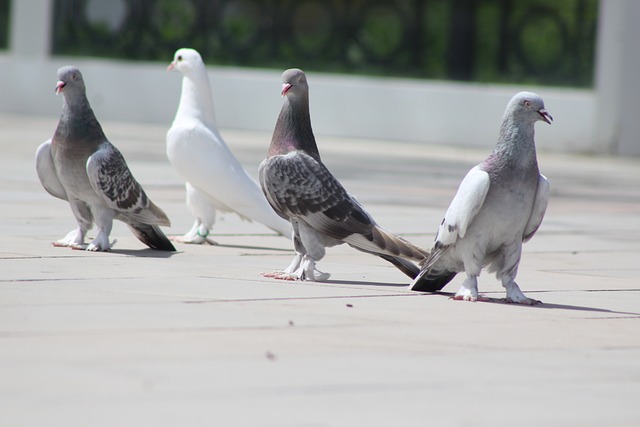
(215, 180)
(499, 205)
(302, 190)
(81, 166)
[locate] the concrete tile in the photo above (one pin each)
(134, 337)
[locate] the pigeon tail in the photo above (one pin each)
(431, 281)
(382, 242)
(432, 278)
(152, 236)
(407, 267)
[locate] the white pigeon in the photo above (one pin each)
(499, 205)
(215, 180)
(81, 166)
(300, 188)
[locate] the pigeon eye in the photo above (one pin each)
(179, 57)
(527, 103)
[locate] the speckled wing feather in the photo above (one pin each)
(298, 186)
(111, 178)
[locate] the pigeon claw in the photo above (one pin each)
(193, 240)
(280, 275)
(472, 298)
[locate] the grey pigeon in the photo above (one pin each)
(499, 205)
(81, 166)
(215, 180)
(302, 190)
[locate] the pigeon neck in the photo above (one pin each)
(196, 100)
(77, 121)
(293, 130)
(516, 141)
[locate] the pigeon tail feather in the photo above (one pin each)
(152, 236)
(407, 267)
(432, 281)
(396, 245)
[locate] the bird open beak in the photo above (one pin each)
(285, 88)
(171, 66)
(59, 86)
(545, 116)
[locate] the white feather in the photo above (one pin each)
(200, 156)
(46, 170)
(464, 207)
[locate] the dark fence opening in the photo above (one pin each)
(4, 24)
(546, 42)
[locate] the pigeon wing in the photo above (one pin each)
(300, 187)
(47, 174)
(539, 208)
(464, 207)
(111, 178)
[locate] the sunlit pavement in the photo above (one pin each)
(136, 337)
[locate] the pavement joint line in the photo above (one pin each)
(302, 298)
(161, 330)
(70, 279)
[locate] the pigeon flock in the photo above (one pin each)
(499, 204)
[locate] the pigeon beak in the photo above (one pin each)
(545, 116)
(285, 88)
(59, 86)
(171, 66)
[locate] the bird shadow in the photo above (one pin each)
(355, 282)
(144, 253)
(261, 248)
(542, 305)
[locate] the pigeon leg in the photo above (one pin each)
(515, 295)
(202, 207)
(73, 239)
(287, 273)
(301, 268)
(308, 270)
(295, 264)
(469, 289)
(197, 235)
(101, 242)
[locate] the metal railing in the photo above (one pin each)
(513, 41)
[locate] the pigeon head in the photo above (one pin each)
(70, 81)
(529, 107)
(186, 60)
(294, 81)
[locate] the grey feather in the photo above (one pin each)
(81, 166)
(499, 204)
(301, 189)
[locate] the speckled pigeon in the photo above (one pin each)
(302, 190)
(81, 166)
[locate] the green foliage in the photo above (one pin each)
(4, 24)
(513, 41)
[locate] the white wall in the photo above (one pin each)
(387, 108)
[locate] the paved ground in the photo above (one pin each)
(138, 338)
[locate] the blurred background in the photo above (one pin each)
(438, 71)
